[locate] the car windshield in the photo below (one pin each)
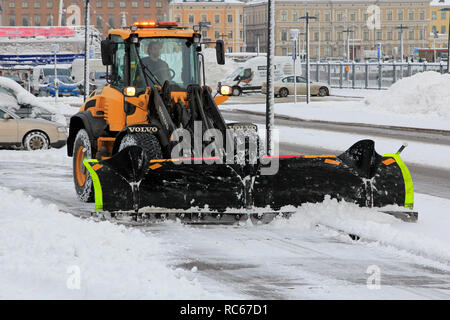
(8, 92)
(235, 73)
(63, 79)
(169, 59)
(51, 71)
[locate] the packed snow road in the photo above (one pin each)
(308, 256)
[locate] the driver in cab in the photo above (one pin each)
(154, 63)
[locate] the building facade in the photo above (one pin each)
(365, 23)
(105, 14)
(218, 19)
(439, 23)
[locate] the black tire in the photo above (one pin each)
(236, 91)
(146, 141)
(36, 140)
(323, 91)
(81, 177)
(284, 92)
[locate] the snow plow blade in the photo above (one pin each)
(129, 182)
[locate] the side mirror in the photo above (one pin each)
(107, 47)
(220, 52)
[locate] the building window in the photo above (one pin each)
(158, 4)
(204, 18)
(216, 18)
(443, 15)
(111, 21)
(37, 4)
(434, 29)
(400, 15)
(24, 6)
(327, 36)
(389, 15)
(294, 16)
(191, 18)
(204, 33)
(146, 4)
(217, 34)
(443, 29)
(178, 19)
(37, 20)
(422, 15)
(283, 16)
(99, 21)
(11, 4)
(49, 20)
(339, 35)
(230, 35)
(316, 36)
(230, 18)
(134, 4)
(283, 35)
(410, 15)
(284, 52)
(339, 16)
(98, 3)
(366, 35)
(110, 4)
(135, 18)
(421, 34)
(49, 4)
(411, 35)
(25, 20)
(433, 15)
(12, 20)
(379, 35)
(352, 16)
(327, 16)
(122, 4)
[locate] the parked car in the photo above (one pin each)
(98, 78)
(16, 79)
(65, 85)
(30, 134)
(284, 86)
(18, 100)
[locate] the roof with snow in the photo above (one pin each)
(439, 3)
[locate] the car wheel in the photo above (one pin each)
(236, 91)
(36, 140)
(284, 92)
(323, 91)
(82, 179)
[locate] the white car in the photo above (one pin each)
(284, 86)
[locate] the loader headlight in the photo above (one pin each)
(129, 91)
(225, 90)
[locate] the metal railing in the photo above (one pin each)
(367, 75)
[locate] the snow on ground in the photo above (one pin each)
(44, 250)
(420, 101)
(428, 237)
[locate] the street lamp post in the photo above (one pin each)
(348, 31)
(448, 41)
(401, 28)
(308, 87)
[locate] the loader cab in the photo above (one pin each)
(152, 57)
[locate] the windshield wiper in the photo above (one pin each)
(144, 68)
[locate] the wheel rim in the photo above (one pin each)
(80, 169)
(235, 92)
(36, 143)
(284, 93)
(322, 92)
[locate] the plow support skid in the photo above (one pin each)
(128, 181)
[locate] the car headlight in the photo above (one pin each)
(225, 90)
(62, 129)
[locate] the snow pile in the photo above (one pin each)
(215, 72)
(47, 254)
(428, 237)
(426, 93)
(24, 97)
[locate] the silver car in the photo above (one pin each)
(31, 134)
